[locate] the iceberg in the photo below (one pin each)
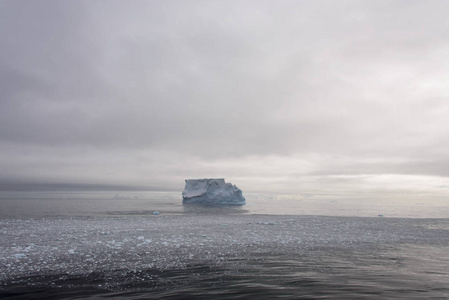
(212, 191)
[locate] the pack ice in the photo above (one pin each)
(211, 191)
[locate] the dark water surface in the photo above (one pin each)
(103, 246)
(403, 273)
(273, 278)
(224, 257)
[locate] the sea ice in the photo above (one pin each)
(211, 191)
(139, 245)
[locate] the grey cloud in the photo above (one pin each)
(213, 80)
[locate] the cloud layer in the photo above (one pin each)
(293, 96)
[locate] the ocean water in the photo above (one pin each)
(111, 245)
(51, 204)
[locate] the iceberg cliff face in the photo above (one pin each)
(211, 191)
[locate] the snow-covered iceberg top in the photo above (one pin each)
(211, 191)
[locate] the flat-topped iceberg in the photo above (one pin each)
(211, 191)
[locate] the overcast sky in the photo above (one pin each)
(275, 96)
